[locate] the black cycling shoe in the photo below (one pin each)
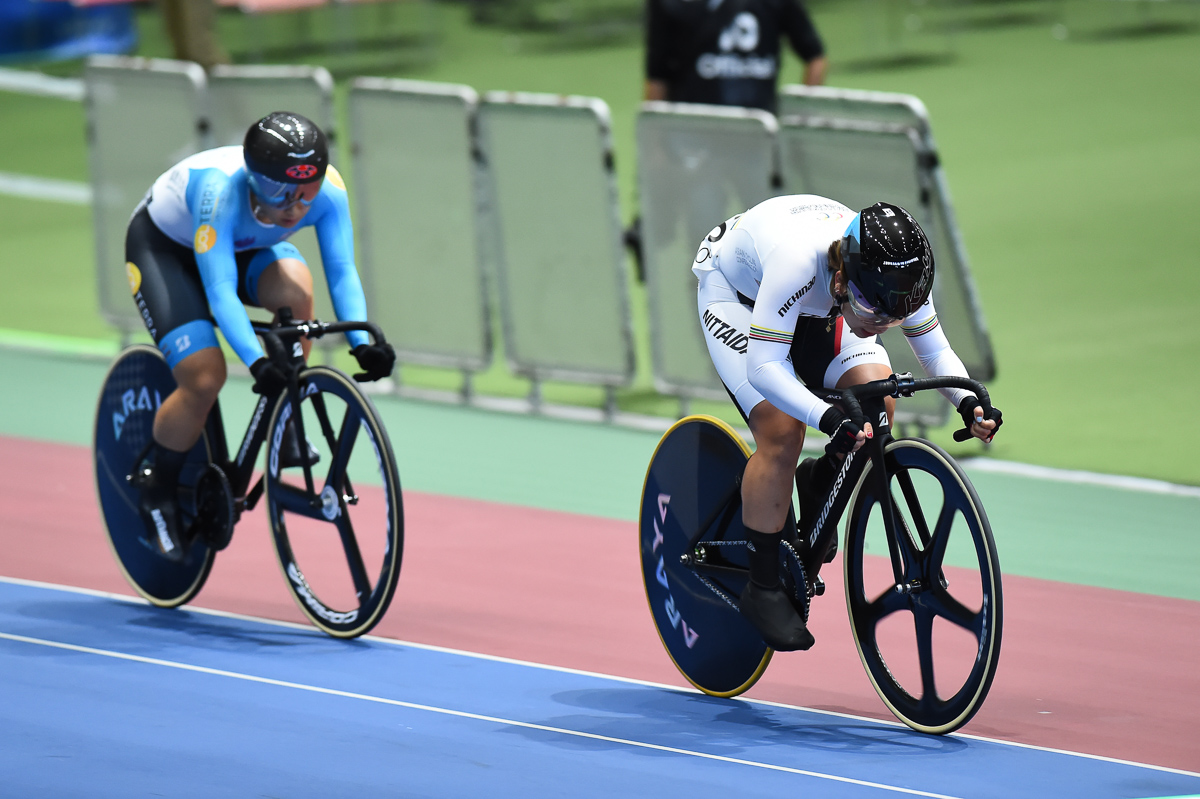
(810, 496)
(289, 450)
(159, 510)
(775, 618)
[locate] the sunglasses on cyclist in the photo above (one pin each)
(283, 195)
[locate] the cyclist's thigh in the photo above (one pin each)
(167, 289)
(253, 263)
(726, 323)
(823, 350)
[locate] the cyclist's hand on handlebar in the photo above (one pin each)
(981, 426)
(376, 360)
(844, 435)
(269, 379)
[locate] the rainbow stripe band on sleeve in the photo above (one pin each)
(767, 334)
(921, 329)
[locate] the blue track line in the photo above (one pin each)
(108, 697)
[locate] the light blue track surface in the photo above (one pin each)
(110, 697)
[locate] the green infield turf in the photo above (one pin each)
(1068, 134)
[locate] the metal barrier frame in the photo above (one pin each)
(466, 362)
(527, 367)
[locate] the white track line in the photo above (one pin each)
(1087, 478)
(458, 713)
(565, 670)
(52, 189)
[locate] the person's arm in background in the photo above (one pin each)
(806, 42)
(657, 70)
(814, 71)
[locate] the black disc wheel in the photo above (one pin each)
(923, 587)
(338, 523)
(693, 551)
(136, 385)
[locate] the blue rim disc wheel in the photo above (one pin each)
(694, 482)
(136, 385)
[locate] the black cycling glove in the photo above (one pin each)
(843, 433)
(376, 361)
(269, 379)
(966, 409)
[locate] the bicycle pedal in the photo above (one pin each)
(818, 586)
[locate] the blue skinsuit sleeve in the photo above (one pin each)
(335, 234)
(213, 215)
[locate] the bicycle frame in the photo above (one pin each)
(862, 403)
(276, 337)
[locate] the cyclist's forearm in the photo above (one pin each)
(933, 350)
(349, 299)
(945, 362)
(777, 382)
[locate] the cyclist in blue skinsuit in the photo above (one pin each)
(211, 236)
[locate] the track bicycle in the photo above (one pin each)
(926, 614)
(339, 540)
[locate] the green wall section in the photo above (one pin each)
(1083, 534)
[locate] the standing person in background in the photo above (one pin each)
(726, 52)
(721, 52)
(192, 28)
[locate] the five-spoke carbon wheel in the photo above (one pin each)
(339, 524)
(923, 587)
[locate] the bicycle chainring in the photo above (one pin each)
(795, 581)
(216, 513)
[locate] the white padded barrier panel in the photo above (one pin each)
(417, 191)
(240, 95)
(556, 235)
(859, 163)
(144, 115)
(959, 308)
(698, 165)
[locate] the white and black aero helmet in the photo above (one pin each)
(889, 263)
(283, 152)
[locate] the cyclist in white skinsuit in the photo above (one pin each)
(799, 288)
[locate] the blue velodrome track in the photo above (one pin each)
(106, 696)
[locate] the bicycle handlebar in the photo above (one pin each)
(905, 385)
(287, 329)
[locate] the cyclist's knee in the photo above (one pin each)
(865, 374)
(778, 436)
(202, 375)
(287, 283)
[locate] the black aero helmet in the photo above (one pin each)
(889, 263)
(283, 151)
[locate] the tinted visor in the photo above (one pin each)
(282, 195)
(865, 311)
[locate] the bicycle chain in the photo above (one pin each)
(718, 592)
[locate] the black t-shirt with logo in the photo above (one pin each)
(724, 52)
